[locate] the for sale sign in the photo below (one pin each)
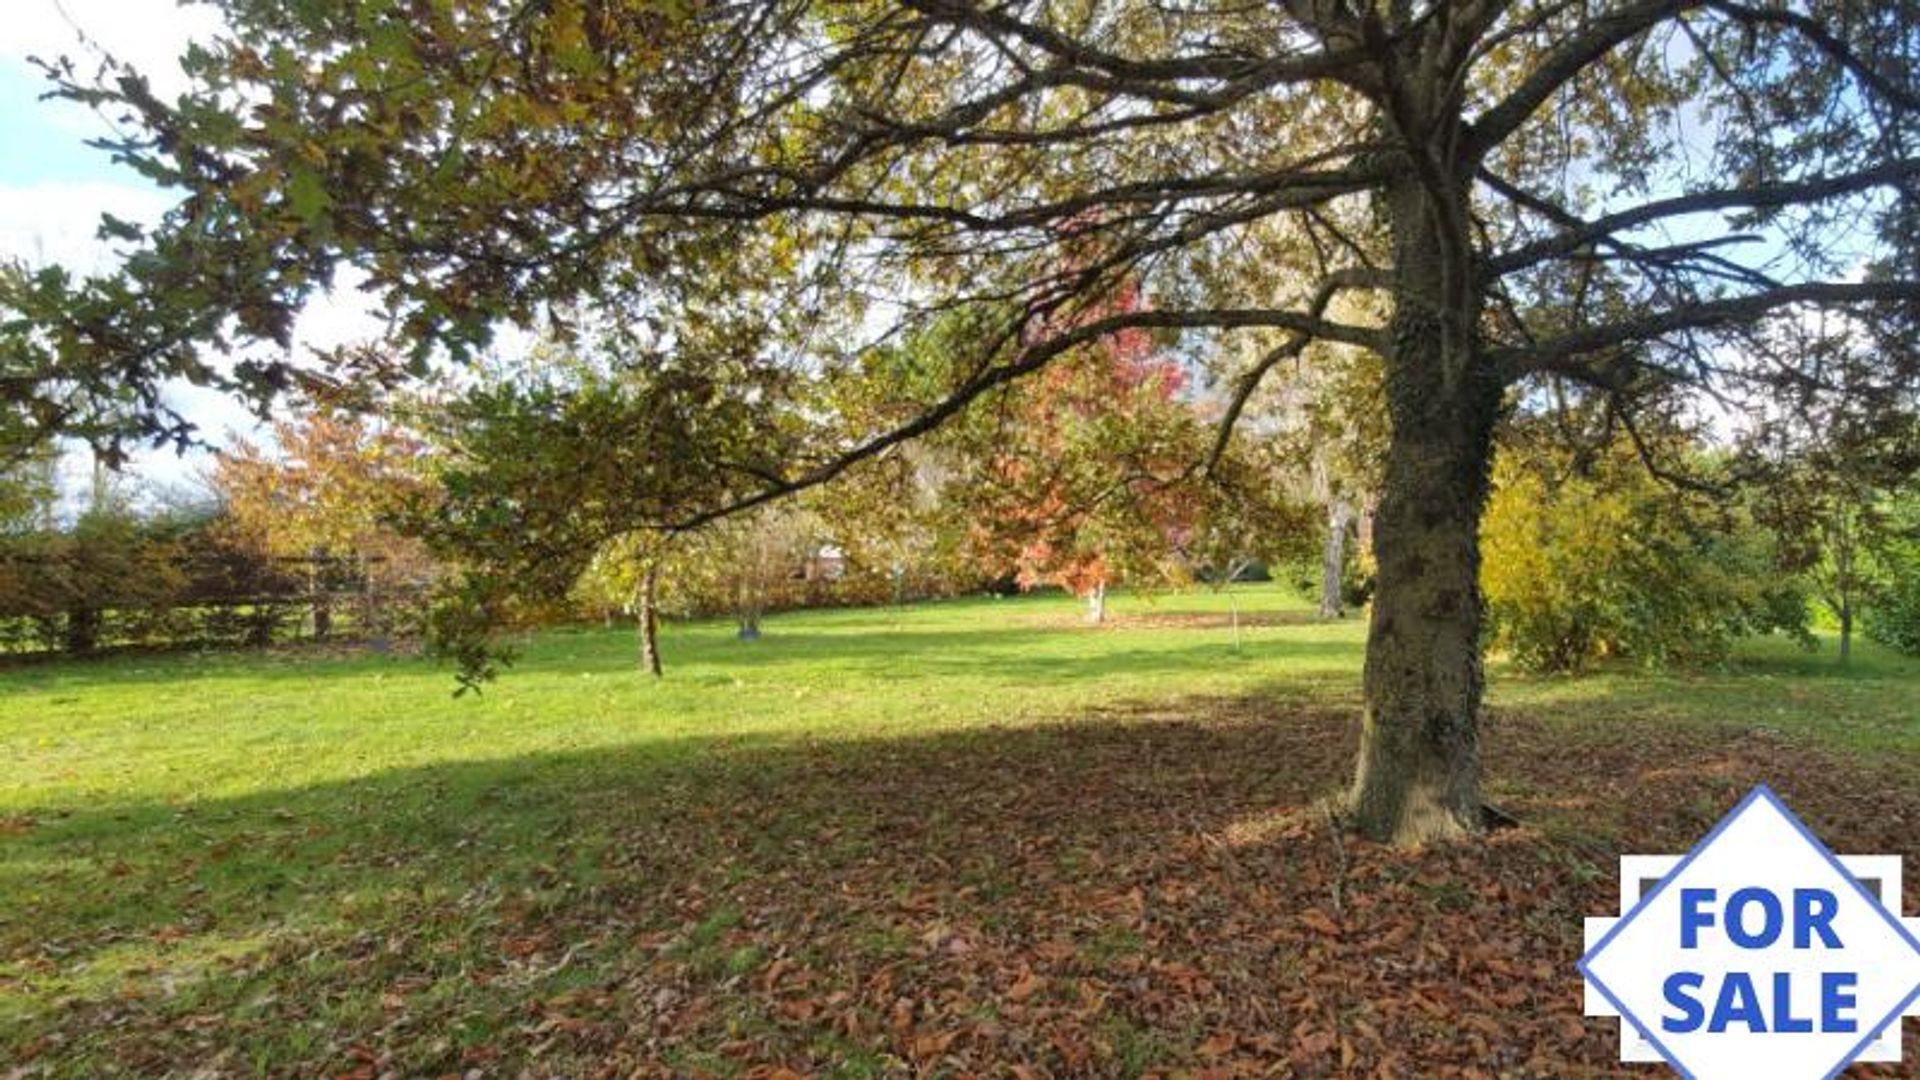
(1758, 954)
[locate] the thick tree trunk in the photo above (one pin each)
(1097, 605)
(1419, 772)
(1418, 776)
(1333, 559)
(649, 617)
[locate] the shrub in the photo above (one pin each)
(1303, 574)
(1894, 618)
(1608, 562)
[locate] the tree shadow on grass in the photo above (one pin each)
(505, 819)
(1149, 886)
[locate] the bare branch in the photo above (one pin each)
(1826, 42)
(1578, 234)
(1151, 78)
(1565, 354)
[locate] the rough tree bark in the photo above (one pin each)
(1097, 605)
(1418, 777)
(649, 618)
(1333, 559)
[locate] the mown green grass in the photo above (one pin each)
(164, 818)
(183, 728)
(1869, 708)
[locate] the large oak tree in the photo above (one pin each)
(1533, 189)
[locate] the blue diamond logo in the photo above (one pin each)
(1759, 954)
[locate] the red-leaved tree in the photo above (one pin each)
(1086, 478)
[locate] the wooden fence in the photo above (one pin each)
(79, 602)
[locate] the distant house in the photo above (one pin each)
(824, 563)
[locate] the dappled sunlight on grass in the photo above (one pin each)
(280, 858)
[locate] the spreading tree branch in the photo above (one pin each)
(1031, 358)
(1577, 234)
(1295, 345)
(1569, 353)
(1600, 36)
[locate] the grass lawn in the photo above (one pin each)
(941, 841)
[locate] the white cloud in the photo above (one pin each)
(149, 34)
(58, 221)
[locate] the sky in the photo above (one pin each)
(53, 187)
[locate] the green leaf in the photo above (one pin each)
(307, 195)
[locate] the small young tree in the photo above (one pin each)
(1829, 456)
(626, 573)
(1835, 518)
(1894, 618)
(1248, 513)
(1084, 480)
(1327, 414)
(544, 468)
(1318, 411)
(754, 555)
